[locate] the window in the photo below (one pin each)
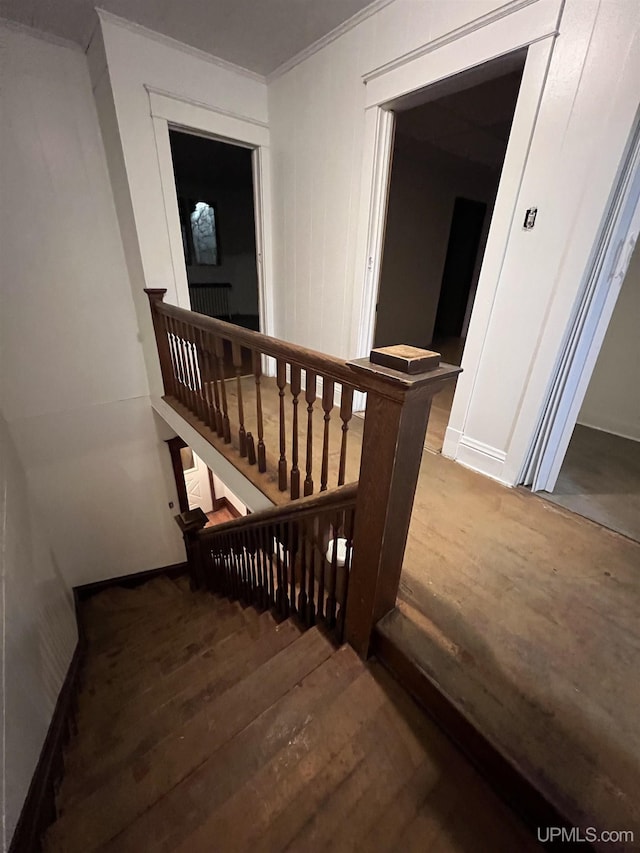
(199, 233)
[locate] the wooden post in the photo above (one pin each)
(162, 342)
(190, 523)
(394, 432)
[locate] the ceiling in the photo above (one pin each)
(259, 35)
(473, 123)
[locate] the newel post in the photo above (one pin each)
(156, 295)
(190, 523)
(401, 382)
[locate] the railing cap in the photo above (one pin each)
(405, 368)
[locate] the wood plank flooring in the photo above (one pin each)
(532, 618)
(203, 726)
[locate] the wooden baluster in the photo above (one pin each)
(175, 368)
(257, 372)
(188, 357)
(245, 569)
(198, 386)
(292, 539)
(327, 406)
(295, 471)
(281, 590)
(255, 586)
(236, 353)
(224, 567)
(226, 429)
(322, 539)
(343, 588)
(206, 379)
(268, 546)
(310, 397)
(213, 374)
(181, 388)
(251, 449)
(346, 410)
(302, 597)
(285, 567)
(164, 351)
(281, 380)
(333, 577)
(311, 585)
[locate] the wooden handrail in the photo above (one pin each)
(355, 373)
(340, 498)
(212, 373)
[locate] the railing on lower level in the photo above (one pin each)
(294, 561)
(214, 377)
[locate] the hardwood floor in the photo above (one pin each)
(203, 726)
(600, 479)
(530, 613)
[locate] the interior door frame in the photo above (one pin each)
(534, 27)
(169, 112)
(590, 319)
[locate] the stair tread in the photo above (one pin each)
(90, 824)
(109, 753)
(253, 735)
(121, 718)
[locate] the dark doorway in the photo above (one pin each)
(462, 254)
(214, 185)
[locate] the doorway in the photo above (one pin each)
(198, 487)
(449, 148)
(600, 474)
(214, 183)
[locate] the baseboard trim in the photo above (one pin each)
(87, 590)
(533, 808)
(39, 809)
(481, 457)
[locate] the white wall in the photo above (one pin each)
(424, 185)
(73, 381)
(612, 402)
(317, 123)
(38, 634)
(123, 62)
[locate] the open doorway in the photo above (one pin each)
(215, 189)
(600, 475)
(449, 149)
(199, 488)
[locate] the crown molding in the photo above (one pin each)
(168, 41)
(51, 38)
(340, 30)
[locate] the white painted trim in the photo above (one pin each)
(25, 29)
(171, 110)
(211, 121)
(465, 50)
(376, 168)
(244, 489)
(504, 211)
(174, 44)
(340, 30)
(453, 35)
(481, 457)
(586, 330)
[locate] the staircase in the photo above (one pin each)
(203, 726)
